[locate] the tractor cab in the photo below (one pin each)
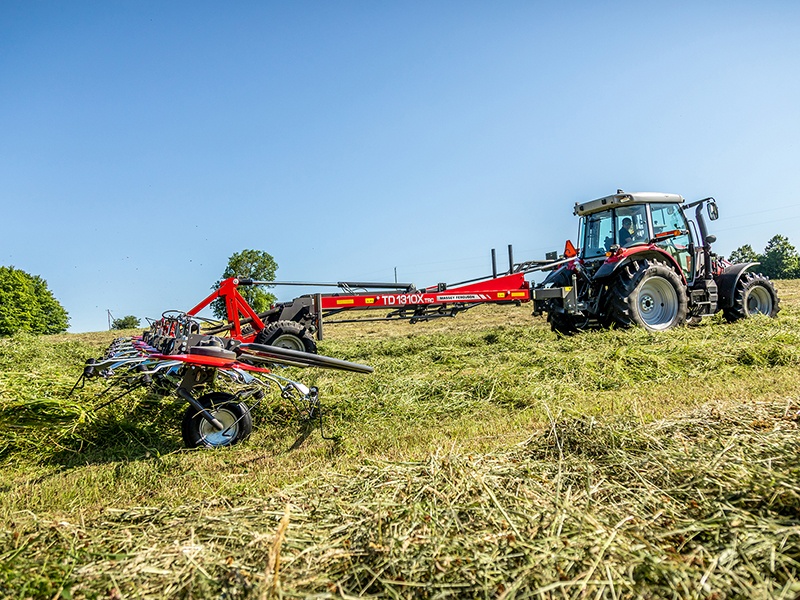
(617, 226)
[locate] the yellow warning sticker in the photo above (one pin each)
(347, 301)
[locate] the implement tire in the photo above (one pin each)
(647, 294)
(287, 334)
(754, 295)
(234, 415)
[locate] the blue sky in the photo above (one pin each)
(143, 143)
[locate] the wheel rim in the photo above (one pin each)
(658, 303)
(287, 340)
(759, 301)
(211, 436)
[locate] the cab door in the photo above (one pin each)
(668, 217)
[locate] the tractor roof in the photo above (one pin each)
(625, 198)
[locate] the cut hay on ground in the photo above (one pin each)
(705, 505)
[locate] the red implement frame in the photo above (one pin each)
(235, 306)
(506, 288)
(214, 362)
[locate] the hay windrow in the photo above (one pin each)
(704, 505)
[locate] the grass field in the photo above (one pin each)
(485, 457)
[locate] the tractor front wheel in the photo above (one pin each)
(649, 294)
(287, 334)
(754, 295)
(225, 408)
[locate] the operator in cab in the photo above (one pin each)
(625, 235)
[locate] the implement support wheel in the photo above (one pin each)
(234, 416)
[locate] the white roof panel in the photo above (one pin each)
(625, 198)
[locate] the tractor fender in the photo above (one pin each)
(615, 263)
(728, 280)
(560, 277)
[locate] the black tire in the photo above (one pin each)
(754, 295)
(565, 324)
(647, 294)
(199, 433)
(287, 334)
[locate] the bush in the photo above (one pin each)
(126, 322)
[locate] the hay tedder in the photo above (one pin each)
(186, 354)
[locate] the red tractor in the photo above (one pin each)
(643, 260)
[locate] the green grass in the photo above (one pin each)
(486, 456)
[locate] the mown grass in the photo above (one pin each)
(486, 456)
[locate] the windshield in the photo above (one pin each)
(667, 217)
(632, 225)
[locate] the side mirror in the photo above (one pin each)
(713, 213)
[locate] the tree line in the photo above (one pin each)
(780, 260)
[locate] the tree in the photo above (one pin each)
(744, 254)
(251, 264)
(26, 304)
(780, 259)
(126, 322)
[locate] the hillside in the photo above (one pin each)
(484, 457)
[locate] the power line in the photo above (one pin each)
(759, 212)
(749, 225)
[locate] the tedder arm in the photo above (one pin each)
(404, 301)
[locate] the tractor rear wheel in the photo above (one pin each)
(234, 416)
(648, 294)
(754, 295)
(287, 334)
